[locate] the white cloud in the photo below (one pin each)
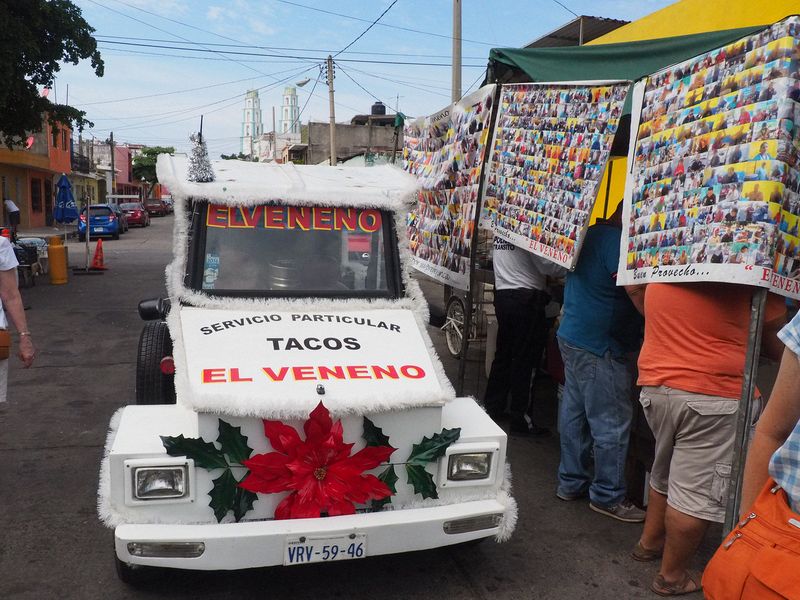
(261, 27)
(214, 13)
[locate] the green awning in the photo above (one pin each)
(628, 60)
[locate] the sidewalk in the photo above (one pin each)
(45, 232)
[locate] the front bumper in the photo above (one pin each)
(261, 543)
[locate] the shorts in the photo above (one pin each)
(694, 449)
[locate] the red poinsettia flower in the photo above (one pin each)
(320, 472)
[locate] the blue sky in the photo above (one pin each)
(149, 95)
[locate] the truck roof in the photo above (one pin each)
(248, 183)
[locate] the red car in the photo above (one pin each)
(137, 214)
(155, 206)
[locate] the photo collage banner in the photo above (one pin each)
(445, 151)
(714, 188)
(550, 147)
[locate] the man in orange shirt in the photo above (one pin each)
(691, 368)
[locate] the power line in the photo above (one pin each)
(102, 37)
(370, 26)
(306, 59)
(183, 91)
(361, 86)
(182, 23)
(569, 10)
(237, 98)
(148, 117)
(403, 83)
(311, 93)
(157, 28)
(430, 33)
(481, 76)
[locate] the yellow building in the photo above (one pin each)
(28, 175)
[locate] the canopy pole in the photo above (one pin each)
(743, 415)
(610, 168)
(473, 250)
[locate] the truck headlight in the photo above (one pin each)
(467, 467)
(159, 483)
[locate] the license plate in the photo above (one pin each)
(97, 229)
(303, 550)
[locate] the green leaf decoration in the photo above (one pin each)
(374, 435)
(243, 502)
(429, 449)
(226, 495)
(223, 494)
(233, 443)
(205, 454)
(389, 477)
(421, 480)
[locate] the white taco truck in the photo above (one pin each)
(290, 406)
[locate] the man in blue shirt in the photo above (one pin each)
(598, 336)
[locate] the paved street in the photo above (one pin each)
(54, 427)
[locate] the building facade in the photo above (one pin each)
(369, 135)
(252, 125)
(28, 174)
(290, 113)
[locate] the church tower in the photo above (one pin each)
(290, 113)
(252, 127)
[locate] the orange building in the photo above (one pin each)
(28, 176)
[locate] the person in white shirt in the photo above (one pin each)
(519, 301)
(12, 310)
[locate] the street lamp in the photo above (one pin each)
(302, 82)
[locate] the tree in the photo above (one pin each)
(38, 35)
(144, 164)
(240, 156)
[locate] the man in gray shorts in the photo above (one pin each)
(691, 368)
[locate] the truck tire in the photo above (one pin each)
(133, 575)
(152, 386)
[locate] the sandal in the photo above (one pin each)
(643, 554)
(688, 585)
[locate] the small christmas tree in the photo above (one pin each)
(199, 165)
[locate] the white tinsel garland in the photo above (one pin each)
(199, 165)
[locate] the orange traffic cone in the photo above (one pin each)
(97, 260)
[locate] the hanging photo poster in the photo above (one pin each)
(551, 143)
(446, 152)
(714, 188)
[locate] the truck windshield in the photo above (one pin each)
(295, 251)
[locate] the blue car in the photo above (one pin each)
(103, 221)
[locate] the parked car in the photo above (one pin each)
(155, 207)
(275, 318)
(169, 203)
(103, 222)
(122, 217)
(137, 214)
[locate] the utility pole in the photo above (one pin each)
(456, 50)
(274, 138)
(333, 160)
(113, 172)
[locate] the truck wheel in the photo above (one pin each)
(132, 575)
(152, 386)
(454, 325)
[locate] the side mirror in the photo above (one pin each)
(154, 308)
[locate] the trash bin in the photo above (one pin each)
(57, 260)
